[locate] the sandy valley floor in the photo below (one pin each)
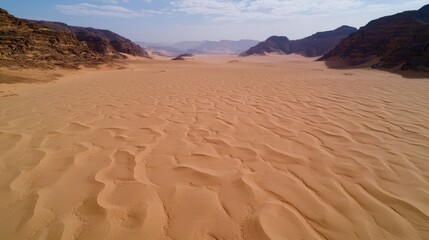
(216, 148)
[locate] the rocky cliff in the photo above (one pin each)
(400, 41)
(25, 43)
(274, 44)
(101, 41)
(314, 45)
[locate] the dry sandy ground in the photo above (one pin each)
(216, 148)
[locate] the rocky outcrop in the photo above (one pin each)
(400, 41)
(24, 43)
(101, 41)
(274, 44)
(182, 57)
(312, 46)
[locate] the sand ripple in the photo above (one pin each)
(272, 150)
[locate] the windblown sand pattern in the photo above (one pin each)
(277, 148)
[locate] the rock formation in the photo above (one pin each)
(101, 41)
(182, 56)
(314, 45)
(274, 44)
(25, 43)
(400, 41)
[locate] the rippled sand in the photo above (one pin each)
(216, 148)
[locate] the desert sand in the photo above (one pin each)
(275, 147)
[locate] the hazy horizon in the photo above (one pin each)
(172, 21)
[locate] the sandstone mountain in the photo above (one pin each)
(400, 41)
(274, 44)
(314, 45)
(25, 43)
(101, 41)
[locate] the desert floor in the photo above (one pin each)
(216, 148)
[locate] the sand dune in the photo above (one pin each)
(276, 147)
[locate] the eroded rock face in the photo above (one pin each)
(124, 45)
(321, 42)
(274, 44)
(101, 41)
(23, 43)
(400, 41)
(314, 45)
(26, 43)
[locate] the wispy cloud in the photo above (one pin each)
(408, 5)
(234, 11)
(87, 9)
(245, 10)
(113, 1)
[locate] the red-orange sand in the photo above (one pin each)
(216, 148)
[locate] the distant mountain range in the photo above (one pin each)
(27, 43)
(201, 47)
(400, 41)
(312, 46)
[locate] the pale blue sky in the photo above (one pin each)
(177, 20)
